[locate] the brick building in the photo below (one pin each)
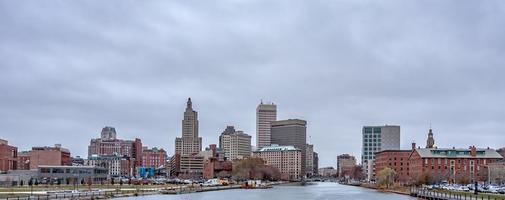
(108, 145)
(8, 156)
(23, 160)
(55, 156)
(215, 165)
(451, 164)
(153, 157)
(397, 160)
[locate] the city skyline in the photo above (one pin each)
(66, 73)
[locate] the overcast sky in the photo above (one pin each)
(69, 68)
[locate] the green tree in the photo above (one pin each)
(386, 177)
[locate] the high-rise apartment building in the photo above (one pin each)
(265, 114)
(236, 145)
(375, 139)
(189, 143)
(291, 132)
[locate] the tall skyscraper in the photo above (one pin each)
(189, 143)
(430, 142)
(375, 139)
(291, 132)
(265, 114)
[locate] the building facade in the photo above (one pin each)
(8, 156)
(56, 156)
(451, 164)
(153, 157)
(236, 145)
(265, 114)
(291, 132)
(309, 160)
(345, 163)
(287, 159)
(375, 139)
(316, 163)
(190, 143)
(501, 151)
(23, 160)
(117, 166)
(109, 147)
(398, 160)
(73, 174)
(327, 172)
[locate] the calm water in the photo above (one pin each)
(319, 191)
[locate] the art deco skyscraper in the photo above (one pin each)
(189, 143)
(265, 114)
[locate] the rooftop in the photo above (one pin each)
(459, 153)
(275, 147)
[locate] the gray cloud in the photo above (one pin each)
(70, 68)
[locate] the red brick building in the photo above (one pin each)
(109, 145)
(24, 160)
(56, 155)
(8, 156)
(153, 157)
(452, 165)
(397, 160)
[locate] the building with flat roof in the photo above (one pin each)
(309, 160)
(236, 145)
(398, 160)
(73, 174)
(375, 139)
(345, 163)
(56, 156)
(291, 132)
(287, 159)
(265, 114)
(8, 156)
(153, 157)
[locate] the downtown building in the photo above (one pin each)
(375, 139)
(8, 156)
(46, 155)
(309, 160)
(154, 157)
(235, 144)
(345, 164)
(121, 157)
(436, 165)
(287, 159)
(291, 132)
(265, 114)
(187, 161)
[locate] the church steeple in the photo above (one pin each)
(430, 142)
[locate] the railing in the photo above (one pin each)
(424, 193)
(84, 194)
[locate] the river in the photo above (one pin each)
(319, 191)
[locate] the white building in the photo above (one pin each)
(375, 139)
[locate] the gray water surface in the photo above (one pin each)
(318, 191)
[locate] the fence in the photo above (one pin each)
(84, 194)
(424, 193)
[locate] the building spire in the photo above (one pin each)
(189, 104)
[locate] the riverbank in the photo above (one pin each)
(395, 190)
(106, 192)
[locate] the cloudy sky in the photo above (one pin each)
(69, 68)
